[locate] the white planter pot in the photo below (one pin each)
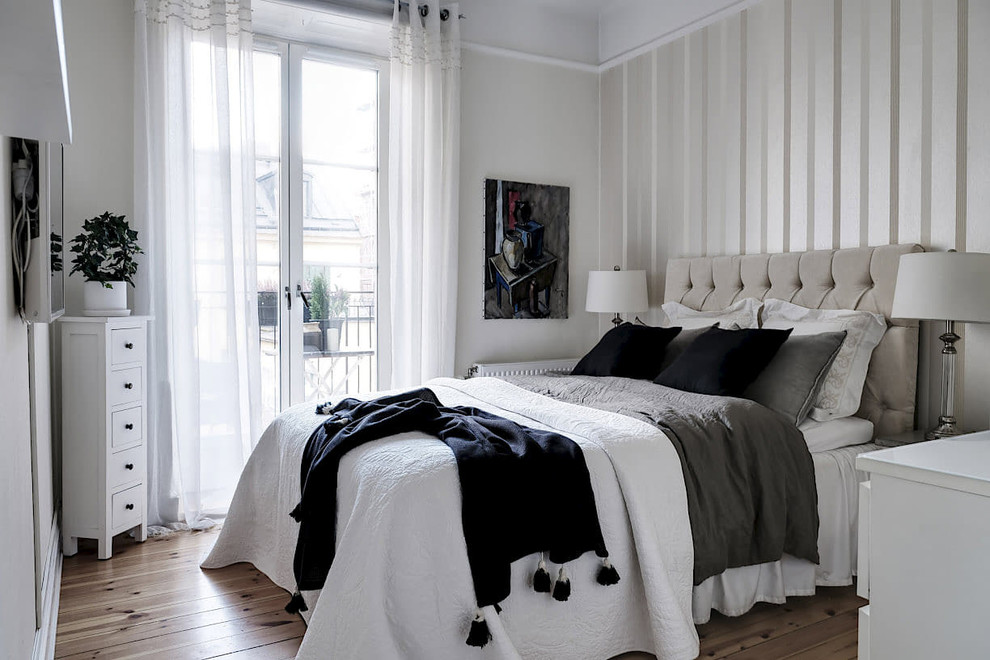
(98, 298)
(333, 339)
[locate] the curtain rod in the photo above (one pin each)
(382, 8)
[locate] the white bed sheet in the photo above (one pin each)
(836, 433)
(736, 590)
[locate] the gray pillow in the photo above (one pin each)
(791, 381)
(683, 339)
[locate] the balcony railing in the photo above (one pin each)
(339, 356)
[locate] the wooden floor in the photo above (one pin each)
(153, 601)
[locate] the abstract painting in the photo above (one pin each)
(526, 245)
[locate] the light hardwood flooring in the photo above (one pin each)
(153, 601)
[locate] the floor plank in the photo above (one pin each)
(152, 601)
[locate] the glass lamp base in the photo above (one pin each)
(946, 429)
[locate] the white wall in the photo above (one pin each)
(99, 165)
(16, 504)
(533, 122)
(805, 125)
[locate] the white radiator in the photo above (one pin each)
(531, 368)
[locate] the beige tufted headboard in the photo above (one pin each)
(853, 278)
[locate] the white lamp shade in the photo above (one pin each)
(943, 286)
(616, 291)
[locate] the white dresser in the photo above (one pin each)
(924, 560)
(104, 427)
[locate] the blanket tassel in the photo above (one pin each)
(562, 588)
(296, 605)
(541, 578)
(479, 635)
(607, 575)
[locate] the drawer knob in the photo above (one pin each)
(129, 426)
(128, 345)
(129, 507)
(129, 466)
(128, 386)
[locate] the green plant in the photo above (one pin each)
(319, 298)
(337, 303)
(105, 250)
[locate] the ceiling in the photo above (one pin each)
(592, 32)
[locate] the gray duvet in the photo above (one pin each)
(749, 477)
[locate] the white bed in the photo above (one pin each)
(400, 583)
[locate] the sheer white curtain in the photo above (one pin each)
(424, 127)
(194, 202)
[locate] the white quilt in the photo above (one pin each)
(400, 585)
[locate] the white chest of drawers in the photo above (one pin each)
(104, 429)
(924, 547)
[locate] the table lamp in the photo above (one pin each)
(614, 291)
(944, 286)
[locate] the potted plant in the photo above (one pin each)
(327, 307)
(105, 253)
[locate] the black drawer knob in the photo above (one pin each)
(129, 507)
(129, 427)
(128, 345)
(128, 386)
(129, 466)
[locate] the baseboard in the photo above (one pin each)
(51, 586)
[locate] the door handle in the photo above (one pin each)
(302, 294)
(288, 298)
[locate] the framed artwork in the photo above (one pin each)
(526, 245)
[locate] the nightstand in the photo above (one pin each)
(924, 539)
(902, 439)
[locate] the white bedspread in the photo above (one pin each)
(400, 585)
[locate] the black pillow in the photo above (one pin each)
(684, 339)
(628, 351)
(723, 362)
(791, 381)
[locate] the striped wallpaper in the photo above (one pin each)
(806, 124)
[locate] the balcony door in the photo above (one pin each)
(319, 148)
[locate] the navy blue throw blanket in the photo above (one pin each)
(523, 491)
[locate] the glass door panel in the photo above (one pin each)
(338, 217)
(268, 215)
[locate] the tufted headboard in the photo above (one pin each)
(852, 278)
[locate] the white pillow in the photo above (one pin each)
(745, 313)
(843, 387)
(836, 433)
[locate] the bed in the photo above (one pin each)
(398, 583)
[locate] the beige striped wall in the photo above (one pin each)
(806, 124)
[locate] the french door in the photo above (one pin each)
(319, 143)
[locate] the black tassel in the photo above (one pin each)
(296, 605)
(498, 608)
(541, 579)
(296, 513)
(479, 635)
(607, 575)
(562, 588)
